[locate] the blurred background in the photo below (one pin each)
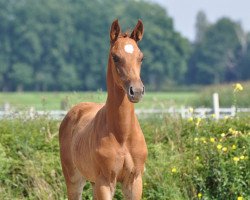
(52, 45)
(53, 54)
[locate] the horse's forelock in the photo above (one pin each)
(125, 34)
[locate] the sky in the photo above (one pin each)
(184, 12)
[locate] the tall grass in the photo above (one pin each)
(188, 159)
(226, 94)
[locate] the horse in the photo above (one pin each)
(104, 143)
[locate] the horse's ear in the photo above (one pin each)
(114, 31)
(137, 33)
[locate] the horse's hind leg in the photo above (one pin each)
(75, 183)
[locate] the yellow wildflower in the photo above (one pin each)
(219, 146)
(242, 157)
(190, 119)
(240, 198)
(199, 195)
(191, 110)
(212, 140)
(232, 131)
(236, 132)
(224, 149)
(238, 87)
(223, 135)
(203, 139)
(197, 158)
(174, 170)
(196, 139)
(234, 147)
(236, 159)
(198, 121)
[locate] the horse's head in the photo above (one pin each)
(126, 60)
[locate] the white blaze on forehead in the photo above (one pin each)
(129, 48)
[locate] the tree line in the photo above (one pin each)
(59, 45)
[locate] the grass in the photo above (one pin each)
(226, 94)
(64, 100)
(188, 159)
(54, 100)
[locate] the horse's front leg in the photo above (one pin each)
(132, 189)
(104, 189)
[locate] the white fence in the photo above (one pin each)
(183, 112)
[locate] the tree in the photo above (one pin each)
(21, 76)
(201, 26)
(64, 44)
(213, 58)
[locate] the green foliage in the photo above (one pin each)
(63, 45)
(220, 52)
(52, 45)
(186, 157)
(220, 158)
(227, 96)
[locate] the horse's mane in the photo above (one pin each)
(125, 34)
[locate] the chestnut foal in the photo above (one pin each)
(104, 144)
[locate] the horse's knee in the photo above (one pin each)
(104, 189)
(74, 188)
(133, 190)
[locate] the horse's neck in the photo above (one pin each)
(120, 111)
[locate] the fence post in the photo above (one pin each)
(216, 105)
(183, 112)
(233, 111)
(6, 107)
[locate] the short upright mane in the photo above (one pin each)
(125, 34)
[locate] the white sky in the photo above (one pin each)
(184, 12)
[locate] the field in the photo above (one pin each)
(197, 98)
(188, 159)
(54, 100)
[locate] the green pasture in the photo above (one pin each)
(194, 98)
(54, 100)
(189, 159)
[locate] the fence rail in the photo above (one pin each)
(183, 112)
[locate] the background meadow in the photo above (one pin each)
(188, 159)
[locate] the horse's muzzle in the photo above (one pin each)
(135, 91)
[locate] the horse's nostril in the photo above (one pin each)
(131, 92)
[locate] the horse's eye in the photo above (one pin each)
(116, 58)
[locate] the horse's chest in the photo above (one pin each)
(119, 162)
(133, 165)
